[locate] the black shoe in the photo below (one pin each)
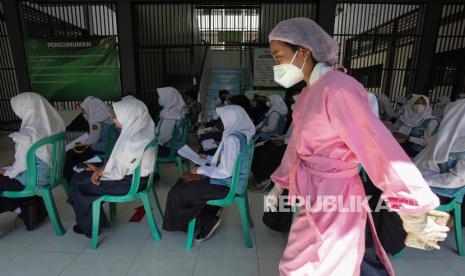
(78, 230)
(41, 211)
(206, 233)
(29, 214)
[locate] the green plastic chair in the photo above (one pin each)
(232, 197)
(455, 206)
(57, 142)
(132, 195)
(180, 131)
(110, 133)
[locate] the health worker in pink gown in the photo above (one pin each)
(335, 132)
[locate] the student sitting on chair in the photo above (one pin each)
(187, 198)
(442, 162)
(170, 117)
(267, 157)
(115, 177)
(217, 132)
(416, 125)
(38, 120)
(275, 118)
(98, 114)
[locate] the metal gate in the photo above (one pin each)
(8, 83)
(447, 77)
(379, 44)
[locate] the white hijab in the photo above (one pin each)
(96, 111)
(172, 102)
(373, 103)
(411, 118)
(137, 131)
(38, 120)
(384, 104)
(441, 105)
(401, 100)
(277, 105)
(235, 119)
(128, 97)
(449, 139)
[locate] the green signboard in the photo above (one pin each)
(74, 68)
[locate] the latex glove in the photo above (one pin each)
(272, 199)
(425, 228)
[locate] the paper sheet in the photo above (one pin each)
(405, 130)
(209, 144)
(259, 144)
(204, 130)
(93, 160)
(81, 138)
(186, 152)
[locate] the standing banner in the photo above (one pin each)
(73, 68)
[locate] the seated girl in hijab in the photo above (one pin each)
(137, 130)
(441, 104)
(416, 125)
(187, 198)
(268, 157)
(98, 114)
(217, 132)
(275, 118)
(171, 116)
(442, 162)
(38, 120)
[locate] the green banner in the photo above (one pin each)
(74, 68)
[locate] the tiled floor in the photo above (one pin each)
(128, 249)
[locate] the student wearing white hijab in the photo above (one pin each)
(187, 198)
(170, 117)
(416, 125)
(400, 101)
(386, 110)
(268, 157)
(38, 120)
(99, 116)
(440, 107)
(275, 118)
(115, 177)
(442, 162)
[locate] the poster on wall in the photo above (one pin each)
(263, 68)
(74, 68)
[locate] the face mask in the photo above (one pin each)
(292, 107)
(226, 102)
(268, 103)
(288, 75)
(419, 108)
(159, 102)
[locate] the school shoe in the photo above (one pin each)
(205, 233)
(41, 210)
(78, 230)
(29, 214)
(262, 186)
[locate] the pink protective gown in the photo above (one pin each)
(334, 131)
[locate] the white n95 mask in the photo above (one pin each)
(288, 75)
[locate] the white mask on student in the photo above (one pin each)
(268, 103)
(419, 108)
